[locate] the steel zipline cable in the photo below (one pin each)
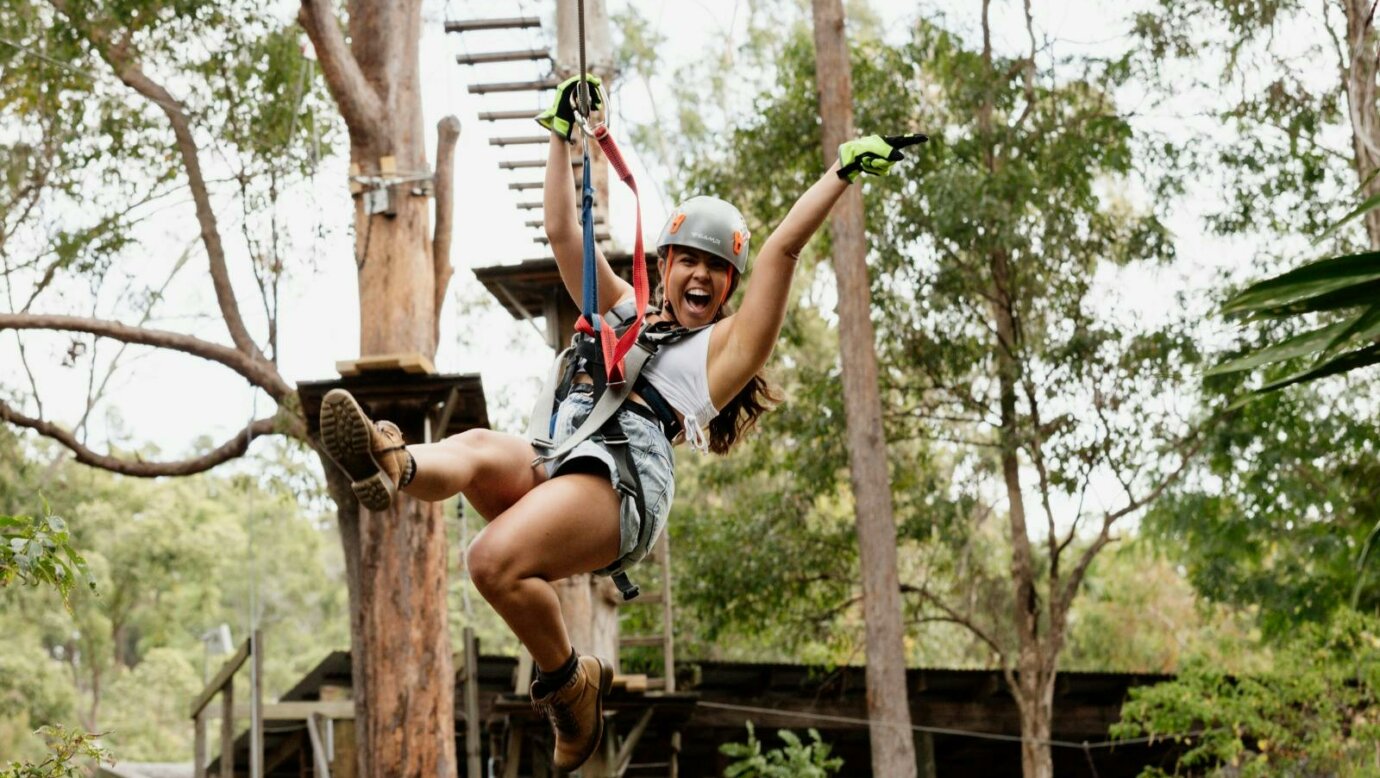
(1082, 745)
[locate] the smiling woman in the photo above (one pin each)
(590, 490)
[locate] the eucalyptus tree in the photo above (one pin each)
(212, 110)
(1019, 393)
(1282, 515)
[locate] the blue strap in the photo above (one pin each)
(590, 307)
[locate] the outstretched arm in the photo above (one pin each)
(560, 208)
(561, 220)
(748, 337)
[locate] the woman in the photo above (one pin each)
(553, 518)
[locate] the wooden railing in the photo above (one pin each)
(224, 685)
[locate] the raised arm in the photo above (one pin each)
(560, 211)
(746, 339)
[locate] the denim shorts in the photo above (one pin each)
(651, 455)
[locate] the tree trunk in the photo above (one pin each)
(1360, 71)
(1036, 703)
(893, 746)
(404, 681)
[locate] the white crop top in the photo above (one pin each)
(680, 372)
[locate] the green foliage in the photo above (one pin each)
(39, 551)
(171, 560)
(68, 753)
(793, 760)
(97, 160)
(1090, 381)
(1282, 514)
(1313, 713)
(1254, 64)
(1342, 286)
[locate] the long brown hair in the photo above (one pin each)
(755, 398)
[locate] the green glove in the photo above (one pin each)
(874, 154)
(560, 117)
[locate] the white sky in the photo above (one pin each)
(171, 400)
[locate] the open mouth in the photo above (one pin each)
(698, 301)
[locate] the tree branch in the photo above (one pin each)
(359, 104)
(128, 69)
(231, 449)
(1188, 448)
(447, 133)
(257, 370)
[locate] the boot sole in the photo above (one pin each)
(345, 436)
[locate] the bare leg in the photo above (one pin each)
(565, 526)
(492, 469)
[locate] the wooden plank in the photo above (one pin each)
(256, 701)
(320, 762)
(345, 761)
(513, 754)
(513, 86)
(411, 363)
(633, 682)
(520, 140)
(338, 710)
(199, 745)
(640, 640)
(500, 116)
(529, 206)
(227, 671)
(602, 237)
(521, 186)
(625, 752)
(227, 731)
(486, 57)
(513, 23)
(474, 768)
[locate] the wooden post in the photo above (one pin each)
(343, 763)
(199, 744)
(227, 729)
(893, 750)
(256, 705)
(473, 765)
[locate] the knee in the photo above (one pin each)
(475, 441)
(491, 570)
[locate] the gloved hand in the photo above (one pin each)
(560, 117)
(874, 154)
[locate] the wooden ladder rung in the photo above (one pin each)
(529, 206)
(502, 56)
(470, 25)
(515, 164)
(524, 185)
(598, 236)
(539, 223)
(499, 116)
(520, 140)
(642, 640)
(513, 86)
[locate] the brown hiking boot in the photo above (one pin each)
(576, 710)
(371, 453)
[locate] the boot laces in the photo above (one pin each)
(562, 716)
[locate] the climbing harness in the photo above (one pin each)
(612, 352)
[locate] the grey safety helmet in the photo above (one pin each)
(710, 225)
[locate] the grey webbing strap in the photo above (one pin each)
(539, 426)
(603, 410)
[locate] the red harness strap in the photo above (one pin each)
(615, 348)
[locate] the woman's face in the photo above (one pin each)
(696, 283)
